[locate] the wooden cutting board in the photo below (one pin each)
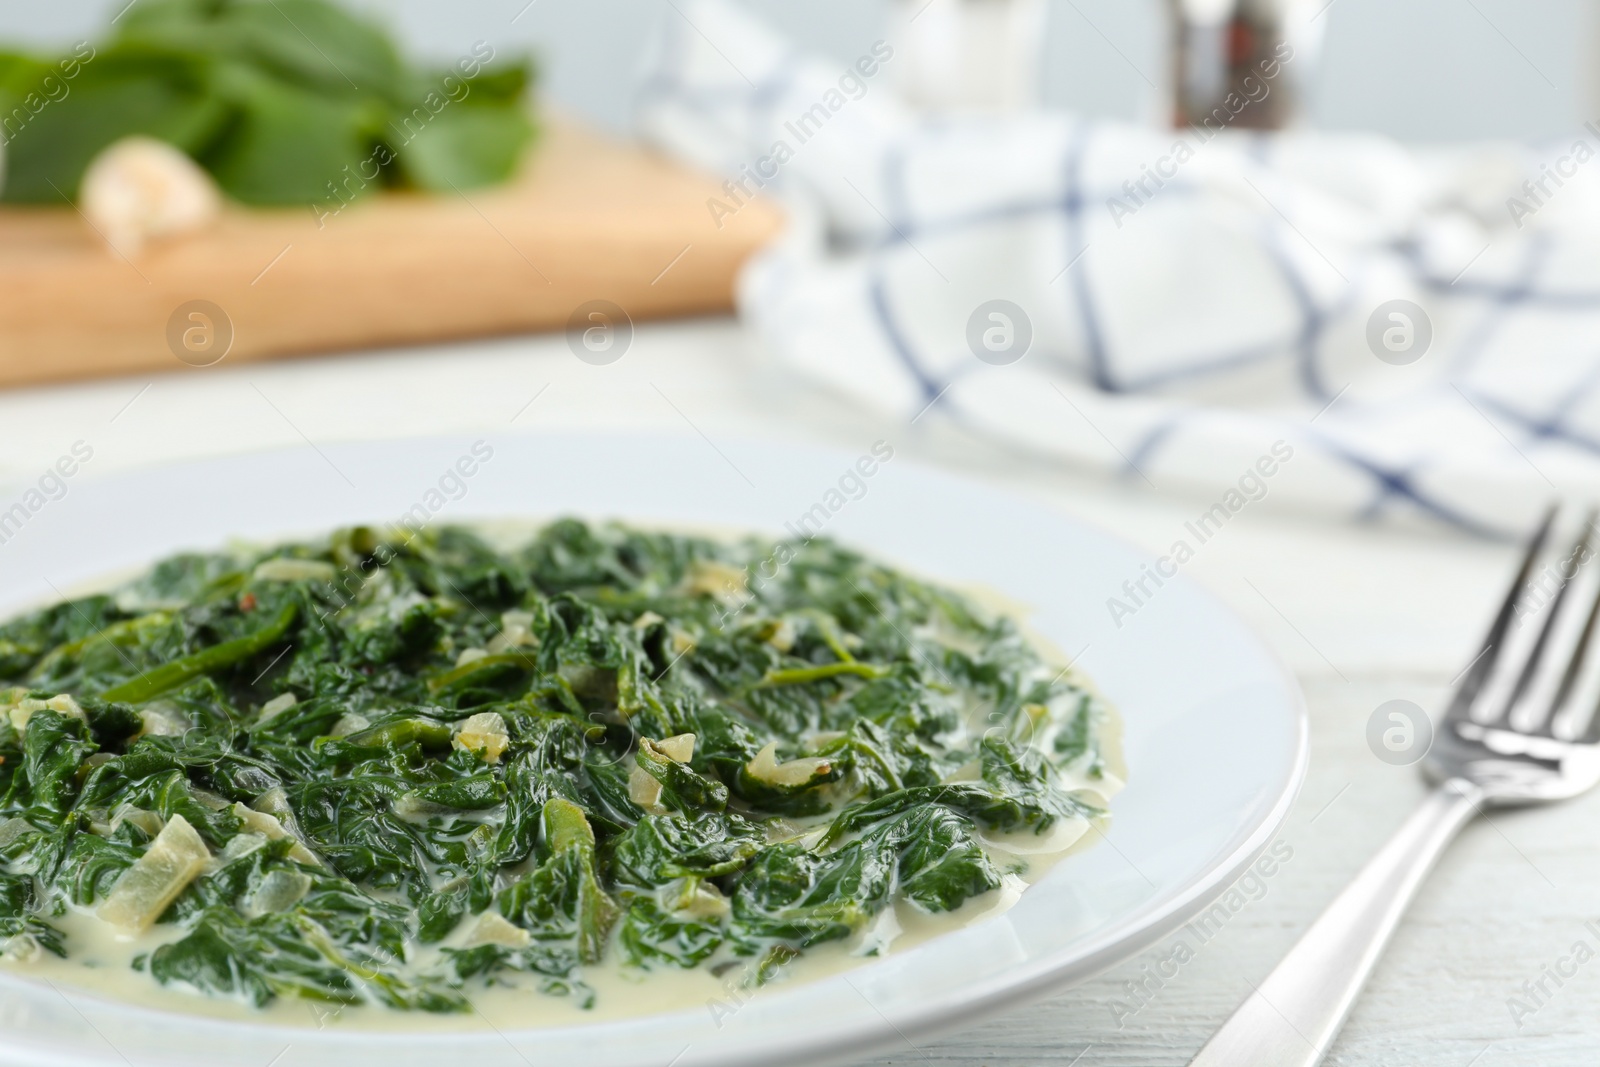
(588, 219)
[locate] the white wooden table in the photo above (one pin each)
(1363, 616)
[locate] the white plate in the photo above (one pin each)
(1215, 729)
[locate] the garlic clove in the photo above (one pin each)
(139, 188)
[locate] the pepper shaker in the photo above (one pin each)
(1242, 63)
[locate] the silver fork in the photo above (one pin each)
(1505, 740)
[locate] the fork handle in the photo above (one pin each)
(1294, 1014)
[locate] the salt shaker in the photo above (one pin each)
(967, 55)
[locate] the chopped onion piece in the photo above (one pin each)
(516, 631)
(492, 928)
(281, 569)
(720, 580)
(484, 733)
(23, 948)
(240, 845)
(279, 891)
(266, 822)
(157, 721)
(644, 790)
(143, 891)
(349, 723)
(210, 799)
(66, 706)
(679, 748)
(23, 710)
(413, 808)
(148, 821)
(766, 768)
(694, 899)
(276, 706)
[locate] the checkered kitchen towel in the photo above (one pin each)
(1421, 330)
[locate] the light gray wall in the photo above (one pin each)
(1416, 69)
(1449, 69)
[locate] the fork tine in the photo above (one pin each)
(1489, 651)
(1536, 656)
(1591, 732)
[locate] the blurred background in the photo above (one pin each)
(1420, 70)
(1143, 238)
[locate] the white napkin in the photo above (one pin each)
(1197, 313)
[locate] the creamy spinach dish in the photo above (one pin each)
(391, 767)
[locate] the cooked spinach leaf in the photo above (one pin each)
(389, 767)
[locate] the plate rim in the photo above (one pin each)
(956, 1009)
